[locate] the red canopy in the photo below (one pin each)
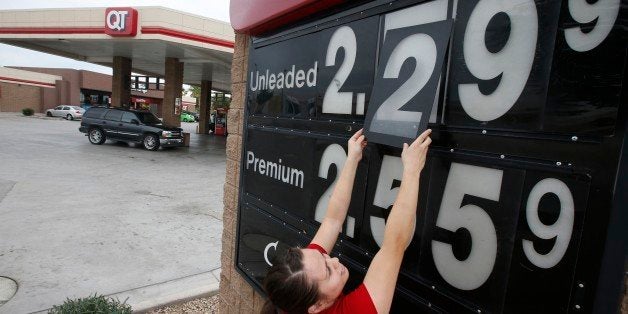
(258, 16)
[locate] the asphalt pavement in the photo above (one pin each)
(78, 219)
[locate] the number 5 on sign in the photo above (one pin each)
(481, 182)
(406, 83)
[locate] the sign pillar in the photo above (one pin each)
(172, 91)
(205, 106)
(121, 82)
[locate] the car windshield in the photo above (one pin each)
(147, 118)
(76, 107)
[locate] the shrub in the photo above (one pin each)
(28, 111)
(92, 304)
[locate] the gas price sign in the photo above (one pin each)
(524, 99)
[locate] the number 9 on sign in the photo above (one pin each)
(487, 65)
(561, 230)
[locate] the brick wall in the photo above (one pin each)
(236, 295)
(95, 81)
(71, 76)
(15, 97)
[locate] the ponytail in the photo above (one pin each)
(287, 286)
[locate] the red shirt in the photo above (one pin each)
(357, 301)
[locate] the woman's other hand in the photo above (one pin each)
(356, 145)
(414, 155)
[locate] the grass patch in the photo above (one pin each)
(92, 304)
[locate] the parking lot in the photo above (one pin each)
(78, 219)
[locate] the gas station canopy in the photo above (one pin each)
(145, 35)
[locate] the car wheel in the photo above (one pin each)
(96, 136)
(48, 114)
(151, 142)
(69, 117)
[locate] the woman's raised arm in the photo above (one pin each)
(331, 226)
(382, 274)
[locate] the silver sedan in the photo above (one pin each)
(68, 112)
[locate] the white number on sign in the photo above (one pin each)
(385, 194)
(334, 154)
(424, 13)
(334, 100)
(603, 12)
(513, 62)
(268, 246)
(482, 182)
(561, 229)
(422, 49)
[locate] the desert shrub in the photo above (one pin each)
(92, 304)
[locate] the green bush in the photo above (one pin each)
(28, 111)
(92, 304)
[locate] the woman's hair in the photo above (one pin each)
(287, 286)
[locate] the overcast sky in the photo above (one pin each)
(9, 55)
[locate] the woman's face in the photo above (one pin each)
(328, 272)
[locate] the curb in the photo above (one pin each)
(180, 290)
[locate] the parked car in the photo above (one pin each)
(68, 112)
(186, 117)
(196, 115)
(131, 126)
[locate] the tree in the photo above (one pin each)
(194, 91)
(220, 100)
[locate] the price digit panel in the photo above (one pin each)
(524, 100)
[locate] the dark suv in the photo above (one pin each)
(101, 124)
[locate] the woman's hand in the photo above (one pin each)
(356, 145)
(413, 156)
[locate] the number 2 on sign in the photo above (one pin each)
(389, 110)
(334, 100)
(334, 154)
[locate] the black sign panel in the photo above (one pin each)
(586, 81)
(516, 195)
(346, 77)
(548, 236)
(501, 58)
(280, 162)
(282, 82)
(522, 67)
(302, 78)
(403, 95)
(305, 169)
(469, 230)
(386, 172)
(263, 238)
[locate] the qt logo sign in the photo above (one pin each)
(121, 22)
